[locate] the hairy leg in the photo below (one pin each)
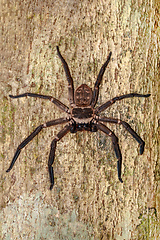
(32, 135)
(128, 128)
(52, 99)
(69, 78)
(107, 131)
(61, 134)
(98, 81)
(113, 100)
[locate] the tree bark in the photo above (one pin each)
(87, 200)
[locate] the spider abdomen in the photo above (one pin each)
(91, 127)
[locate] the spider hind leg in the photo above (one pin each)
(142, 147)
(128, 128)
(117, 150)
(61, 134)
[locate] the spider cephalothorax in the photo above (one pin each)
(82, 116)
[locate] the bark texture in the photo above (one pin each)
(87, 201)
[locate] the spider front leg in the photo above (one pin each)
(69, 78)
(128, 128)
(32, 135)
(117, 150)
(61, 134)
(98, 81)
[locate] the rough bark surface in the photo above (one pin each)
(87, 201)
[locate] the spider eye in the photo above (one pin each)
(79, 90)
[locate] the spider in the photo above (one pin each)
(81, 116)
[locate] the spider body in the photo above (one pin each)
(82, 116)
(83, 96)
(83, 127)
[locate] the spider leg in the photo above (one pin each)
(99, 79)
(128, 128)
(32, 135)
(113, 100)
(61, 134)
(117, 150)
(52, 99)
(69, 78)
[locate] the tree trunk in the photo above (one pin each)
(87, 200)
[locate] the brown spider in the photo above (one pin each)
(82, 116)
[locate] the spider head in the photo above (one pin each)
(83, 96)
